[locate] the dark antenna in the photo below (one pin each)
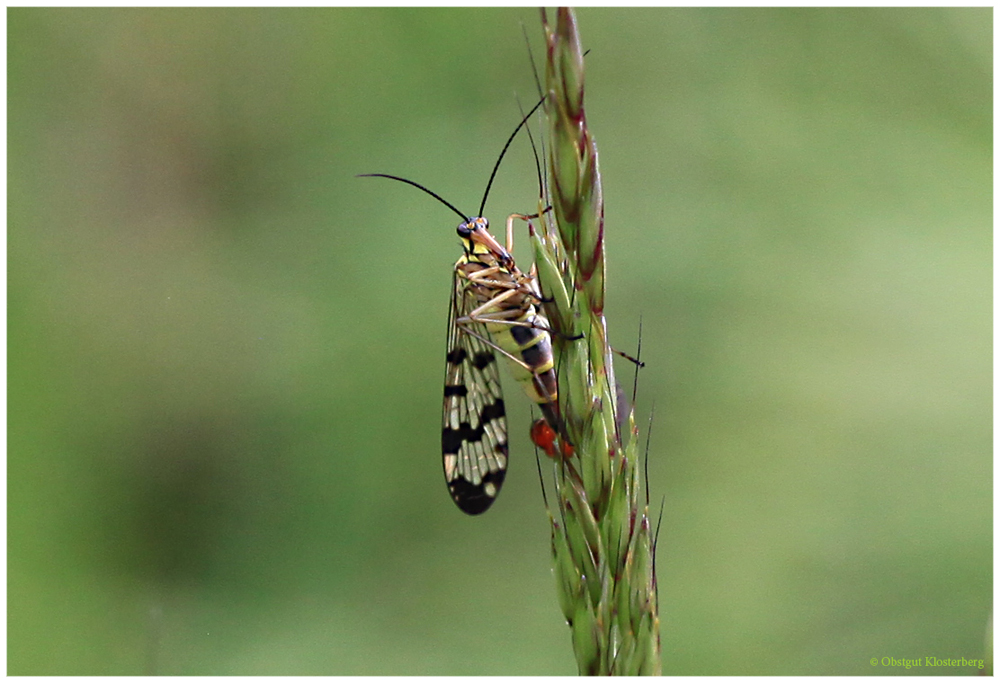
(542, 176)
(531, 58)
(486, 194)
(419, 187)
(534, 150)
(488, 185)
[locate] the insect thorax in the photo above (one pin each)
(500, 278)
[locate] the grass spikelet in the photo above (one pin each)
(602, 547)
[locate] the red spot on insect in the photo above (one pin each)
(543, 436)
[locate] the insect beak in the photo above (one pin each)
(482, 237)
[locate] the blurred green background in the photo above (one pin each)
(226, 352)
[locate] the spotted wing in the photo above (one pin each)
(474, 433)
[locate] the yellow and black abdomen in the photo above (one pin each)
(528, 339)
(525, 336)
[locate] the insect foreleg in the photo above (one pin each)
(510, 228)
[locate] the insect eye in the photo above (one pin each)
(464, 230)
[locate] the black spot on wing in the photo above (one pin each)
(472, 499)
(452, 439)
(482, 360)
(455, 390)
(493, 411)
